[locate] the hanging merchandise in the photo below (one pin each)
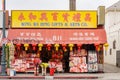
(8, 44)
(49, 47)
(97, 47)
(26, 46)
(106, 46)
(79, 46)
(101, 47)
(64, 47)
(56, 46)
(92, 61)
(11, 51)
(18, 46)
(34, 46)
(7, 55)
(71, 46)
(40, 46)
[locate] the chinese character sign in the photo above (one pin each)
(60, 36)
(54, 19)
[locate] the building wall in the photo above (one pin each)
(112, 26)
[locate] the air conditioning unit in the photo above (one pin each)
(101, 15)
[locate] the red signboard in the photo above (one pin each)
(51, 36)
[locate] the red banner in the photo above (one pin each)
(52, 36)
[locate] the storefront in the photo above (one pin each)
(68, 43)
(68, 40)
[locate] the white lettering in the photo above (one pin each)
(38, 34)
(92, 34)
(27, 34)
(75, 34)
(80, 34)
(32, 34)
(21, 34)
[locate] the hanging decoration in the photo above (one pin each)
(97, 47)
(40, 46)
(18, 46)
(56, 46)
(106, 46)
(11, 52)
(71, 46)
(79, 46)
(8, 44)
(49, 47)
(7, 55)
(26, 46)
(64, 47)
(34, 46)
(101, 47)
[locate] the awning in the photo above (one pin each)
(52, 36)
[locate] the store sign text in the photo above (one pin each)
(54, 19)
(37, 37)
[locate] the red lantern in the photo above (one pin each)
(79, 46)
(64, 47)
(18, 46)
(97, 47)
(34, 46)
(48, 47)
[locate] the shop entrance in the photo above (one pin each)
(59, 56)
(66, 58)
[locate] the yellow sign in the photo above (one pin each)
(54, 19)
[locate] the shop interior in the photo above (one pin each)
(68, 57)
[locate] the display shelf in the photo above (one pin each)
(24, 65)
(78, 64)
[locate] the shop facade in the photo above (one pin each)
(68, 41)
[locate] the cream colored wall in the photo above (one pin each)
(112, 26)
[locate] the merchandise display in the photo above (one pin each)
(24, 65)
(78, 61)
(92, 61)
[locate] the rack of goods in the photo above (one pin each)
(24, 64)
(92, 61)
(78, 62)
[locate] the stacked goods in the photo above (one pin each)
(20, 65)
(56, 61)
(78, 64)
(78, 61)
(59, 67)
(92, 61)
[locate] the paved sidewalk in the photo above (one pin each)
(110, 72)
(108, 68)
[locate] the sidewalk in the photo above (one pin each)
(108, 68)
(110, 71)
(56, 76)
